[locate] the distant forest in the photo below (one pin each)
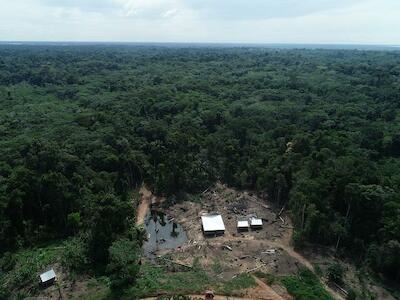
(318, 131)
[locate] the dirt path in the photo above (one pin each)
(285, 245)
(305, 262)
(144, 205)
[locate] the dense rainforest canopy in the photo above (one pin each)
(316, 130)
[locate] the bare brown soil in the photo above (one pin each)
(267, 249)
(267, 292)
(144, 205)
(146, 200)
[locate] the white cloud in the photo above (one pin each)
(263, 9)
(151, 9)
(169, 13)
(261, 21)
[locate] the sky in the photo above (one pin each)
(202, 21)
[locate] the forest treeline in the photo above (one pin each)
(316, 130)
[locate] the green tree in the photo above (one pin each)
(123, 266)
(335, 273)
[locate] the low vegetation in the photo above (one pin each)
(22, 268)
(306, 286)
(155, 279)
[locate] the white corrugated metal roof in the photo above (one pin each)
(255, 222)
(49, 275)
(243, 224)
(212, 223)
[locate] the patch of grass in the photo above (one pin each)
(98, 288)
(216, 266)
(266, 277)
(96, 294)
(155, 280)
(318, 270)
(305, 286)
(28, 264)
(241, 282)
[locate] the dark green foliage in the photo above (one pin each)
(74, 222)
(268, 278)
(306, 286)
(5, 294)
(109, 217)
(315, 130)
(7, 262)
(352, 295)
(124, 263)
(75, 255)
(335, 273)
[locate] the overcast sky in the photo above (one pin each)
(247, 21)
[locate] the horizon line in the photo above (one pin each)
(207, 42)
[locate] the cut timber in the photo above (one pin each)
(251, 198)
(206, 190)
(254, 269)
(340, 288)
(281, 211)
(269, 251)
(175, 262)
(286, 227)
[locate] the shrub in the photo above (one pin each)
(352, 295)
(268, 278)
(305, 286)
(74, 256)
(7, 262)
(335, 273)
(124, 263)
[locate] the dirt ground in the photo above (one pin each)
(147, 199)
(267, 249)
(144, 205)
(64, 288)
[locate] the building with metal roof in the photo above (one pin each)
(212, 224)
(256, 222)
(48, 277)
(243, 225)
